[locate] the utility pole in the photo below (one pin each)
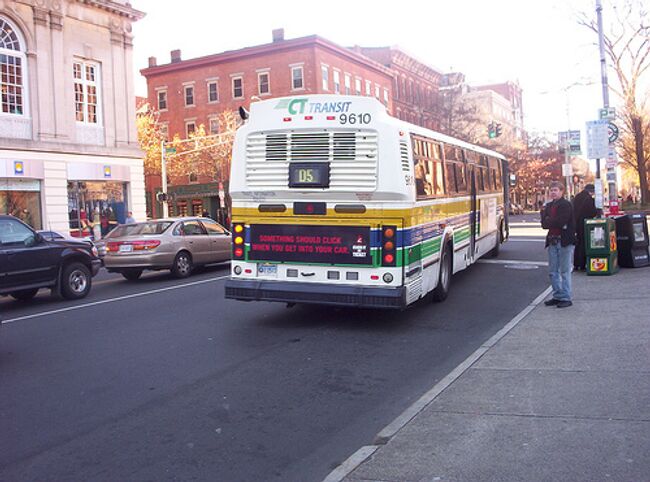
(163, 174)
(611, 169)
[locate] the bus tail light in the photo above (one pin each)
(238, 241)
(388, 246)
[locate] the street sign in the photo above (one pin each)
(597, 139)
(608, 113)
(567, 170)
(570, 140)
(598, 185)
(612, 157)
(170, 150)
(611, 176)
(612, 132)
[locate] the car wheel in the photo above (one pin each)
(132, 274)
(444, 278)
(182, 266)
(24, 295)
(75, 281)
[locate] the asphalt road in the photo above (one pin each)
(165, 380)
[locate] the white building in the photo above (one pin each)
(69, 154)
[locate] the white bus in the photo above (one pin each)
(335, 202)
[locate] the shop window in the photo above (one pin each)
(12, 68)
(96, 207)
(181, 208)
(197, 207)
(22, 199)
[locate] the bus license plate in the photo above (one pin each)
(268, 269)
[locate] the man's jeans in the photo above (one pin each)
(560, 262)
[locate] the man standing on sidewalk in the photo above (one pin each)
(584, 207)
(557, 217)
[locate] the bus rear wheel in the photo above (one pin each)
(444, 277)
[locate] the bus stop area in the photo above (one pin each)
(555, 395)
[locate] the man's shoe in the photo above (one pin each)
(552, 302)
(564, 304)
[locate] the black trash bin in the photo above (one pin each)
(633, 241)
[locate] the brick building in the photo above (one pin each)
(512, 93)
(188, 93)
(415, 85)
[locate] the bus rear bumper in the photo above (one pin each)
(316, 293)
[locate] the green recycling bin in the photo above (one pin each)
(600, 246)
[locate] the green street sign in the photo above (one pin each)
(170, 150)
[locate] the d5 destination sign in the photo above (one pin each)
(309, 174)
(310, 244)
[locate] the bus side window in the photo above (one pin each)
(450, 178)
(461, 180)
(423, 188)
(439, 179)
(499, 174)
(480, 186)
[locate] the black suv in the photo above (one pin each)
(29, 262)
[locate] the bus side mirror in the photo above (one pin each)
(513, 180)
(243, 113)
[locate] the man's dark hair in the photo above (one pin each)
(590, 188)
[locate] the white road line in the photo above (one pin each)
(512, 261)
(112, 300)
(361, 455)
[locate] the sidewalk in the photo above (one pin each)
(564, 395)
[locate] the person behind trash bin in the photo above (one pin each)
(584, 207)
(557, 217)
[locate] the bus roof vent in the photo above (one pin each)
(352, 156)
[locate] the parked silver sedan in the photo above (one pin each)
(177, 244)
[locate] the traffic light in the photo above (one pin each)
(497, 130)
(162, 197)
(491, 130)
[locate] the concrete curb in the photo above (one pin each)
(383, 437)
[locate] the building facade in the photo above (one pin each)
(506, 105)
(189, 93)
(69, 155)
(415, 85)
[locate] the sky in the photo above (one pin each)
(538, 44)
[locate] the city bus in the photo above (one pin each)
(335, 202)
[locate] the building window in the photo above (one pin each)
(337, 82)
(325, 74)
(190, 128)
(193, 178)
(162, 100)
(237, 87)
(214, 125)
(357, 86)
(348, 84)
(368, 87)
(386, 96)
(263, 83)
(296, 78)
(12, 68)
(189, 95)
(213, 92)
(164, 131)
(377, 90)
(86, 91)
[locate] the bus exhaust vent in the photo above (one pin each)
(352, 156)
(404, 156)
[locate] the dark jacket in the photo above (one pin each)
(563, 220)
(584, 207)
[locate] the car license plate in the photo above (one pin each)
(126, 248)
(267, 269)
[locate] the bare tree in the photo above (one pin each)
(457, 116)
(627, 46)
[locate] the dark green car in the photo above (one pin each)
(29, 262)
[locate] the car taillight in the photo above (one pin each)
(144, 245)
(238, 240)
(112, 247)
(388, 245)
